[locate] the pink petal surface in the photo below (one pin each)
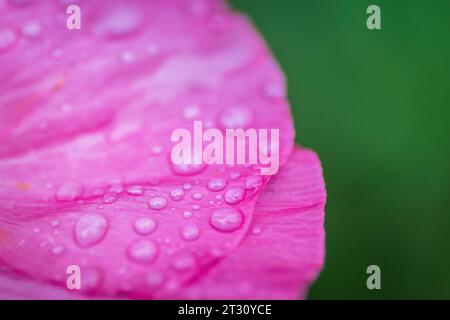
(86, 118)
(280, 256)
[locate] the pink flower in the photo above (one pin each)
(85, 171)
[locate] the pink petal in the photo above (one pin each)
(86, 117)
(283, 252)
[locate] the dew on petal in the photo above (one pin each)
(177, 194)
(227, 219)
(109, 198)
(8, 38)
(136, 190)
(69, 191)
(144, 226)
(197, 196)
(190, 232)
(142, 251)
(184, 263)
(187, 169)
(187, 186)
(57, 250)
(90, 229)
(236, 117)
(234, 195)
(187, 214)
(157, 203)
(253, 182)
(216, 184)
(32, 29)
(119, 21)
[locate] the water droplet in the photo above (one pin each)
(227, 219)
(109, 198)
(127, 57)
(187, 214)
(273, 91)
(256, 230)
(8, 38)
(90, 229)
(191, 112)
(187, 169)
(219, 196)
(117, 188)
(157, 203)
(154, 279)
(144, 226)
(197, 196)
(136, 190)
(55, 223)
(190, 232)
(57, 250)
(253, 182)
(187, 186)
(216, 184)
(177, 194)
(156, 150)
(143, 251)
(235, 176)
(32, 29)
(118, 21)
(184, 263)
(195, 207)
(234, 195)
(69, 191)
(236, 117)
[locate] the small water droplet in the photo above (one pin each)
(227, 219)
(190, 232)
(144, 226)
(236, 117)
(184, 263)
(187, 186)
(256, 230)
(143, 251)
(197, 196)
(273, 91)
(127, 57)
(90, 229)
(8, 38)
(216, 184)
(155, 150)
(57, 250)
(253, 182)
(55, 223)
(69, 191)
(136, 190)
(234, 195)
(177, 194)
(187, 169)
(157, 203)
(187, 214)
(195, 207)
(191, 112)
(118, 21)
(235, 176)
(109, 198)
(117, 188)
(32, 29)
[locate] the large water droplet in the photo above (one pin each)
(8, 38)
(190, 232)
(177, 194)
(90, 229)
(227, 219)
(216, 184)
(144, 226)
(157, 203)
(69, 191)
(143, 251)
(236, 117)
(234, 195)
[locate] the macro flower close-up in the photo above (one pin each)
(99, 103)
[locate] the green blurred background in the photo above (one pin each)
(375, 106)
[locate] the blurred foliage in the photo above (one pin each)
(374, 104)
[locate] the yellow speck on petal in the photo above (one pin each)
(23, 186)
